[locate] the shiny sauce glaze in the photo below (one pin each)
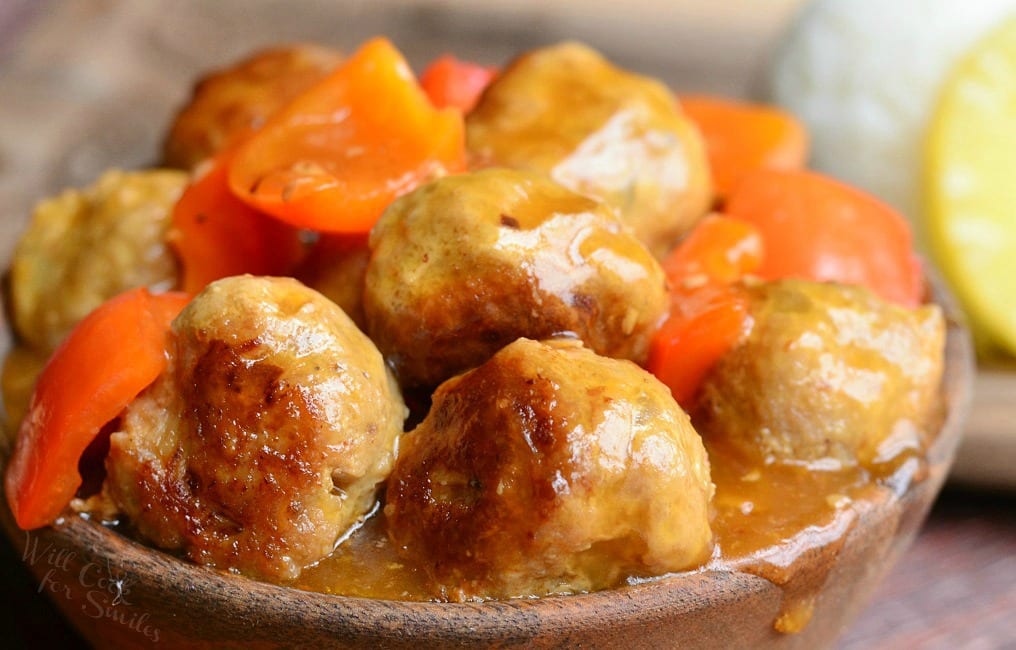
(768, 519)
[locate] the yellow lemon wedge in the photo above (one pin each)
(969, 185)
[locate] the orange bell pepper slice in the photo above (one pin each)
(108, 358)
(449, 81)
(718, 250)
(216, 235)
(335, 157)
(819, 229)
(742, 137)
(704, 324)
(709, 311)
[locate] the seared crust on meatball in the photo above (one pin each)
(597, 129)
(465, 265)
(230, 103)
(550, 469)
(830, 376)
(268, 436)
(86, 246)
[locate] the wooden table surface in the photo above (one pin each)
(91, 83)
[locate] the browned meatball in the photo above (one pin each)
(829, 376)
(467, 264)
(86, 246)
(268, 436)
(599, 130)
(550, 469)
(230, 103)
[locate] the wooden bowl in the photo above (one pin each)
(119, 593)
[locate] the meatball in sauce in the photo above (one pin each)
(599, 130)
(86, 246)
(266, 440)
(550, 469)
(830, 376)
(465, 265)
(228, 104)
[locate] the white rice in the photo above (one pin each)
(864, 75)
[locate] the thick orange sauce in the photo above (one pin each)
(767, 517)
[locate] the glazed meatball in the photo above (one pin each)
(599, 130)
(830, 376)
(467, 264)
(550, 469)
(268, 436)
(86, 246)
(228, 104)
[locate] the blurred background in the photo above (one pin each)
(86, 85)
(90, 84)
